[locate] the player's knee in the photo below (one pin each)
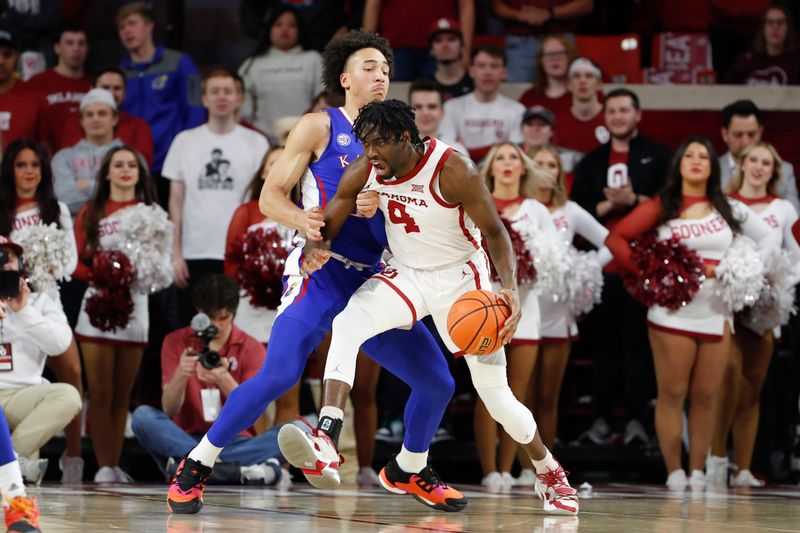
(354, 322)
(442, 391)
(515, 418)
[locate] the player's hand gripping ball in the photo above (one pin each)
(475, 320)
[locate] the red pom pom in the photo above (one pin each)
(526, 271)
(670, 274)
(111, 305)
(262, 255)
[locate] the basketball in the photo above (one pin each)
(475, 320)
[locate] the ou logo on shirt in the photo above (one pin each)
(617, 175)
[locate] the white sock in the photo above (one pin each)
(205, 452)
(11, 483)
(331, 412)
(546, 464)
(411, 462)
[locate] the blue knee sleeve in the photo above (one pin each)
(414, 357)
(6, 448)
(290, 344)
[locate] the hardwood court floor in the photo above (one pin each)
(616, 507)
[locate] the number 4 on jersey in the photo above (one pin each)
(398, 215)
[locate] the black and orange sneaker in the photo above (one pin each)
(185, 494)
(426, 487)
(22, 515)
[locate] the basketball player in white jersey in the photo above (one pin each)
(436, 206)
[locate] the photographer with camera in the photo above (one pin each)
(32, 327)
(201, 365)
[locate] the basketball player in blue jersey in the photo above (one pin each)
(358, 65)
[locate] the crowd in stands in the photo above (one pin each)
(82, 146)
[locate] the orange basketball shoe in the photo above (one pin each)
(22, 515)
(314, 453)
(185, 494)
(559, 497)
(426, 487)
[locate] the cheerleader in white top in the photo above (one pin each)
(691, 345)
(754, 184)
(511, 177)
(27, 199)
(111, 358)
(558, 327)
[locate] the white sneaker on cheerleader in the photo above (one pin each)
(493, 482)
(313, 453)
(697, 481)
(716, 472)
(554, 488)
(745, 478)
(527, 478)
(676, 480)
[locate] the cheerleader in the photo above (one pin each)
(111, 358)
(27, 199)
(755, 185)
(558, 327)
(511, 177)
(691, 344)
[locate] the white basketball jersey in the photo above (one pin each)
(424, 230)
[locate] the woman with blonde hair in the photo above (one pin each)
(754, 184)
(558, 327)
(550, 82)
(511, 177)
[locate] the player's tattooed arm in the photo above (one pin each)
(304, 145)
(460, 183)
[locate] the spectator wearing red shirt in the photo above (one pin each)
(405, 23)
(64, 85)
(193, 395)
(583, 127)
(550, 82)
(129, 129)
(773, 58)
(527, 22)
(19, 111)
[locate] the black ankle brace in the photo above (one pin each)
(331, 426)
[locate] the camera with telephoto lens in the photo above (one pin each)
(205, 331)
(9, 279)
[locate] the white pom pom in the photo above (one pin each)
(145, 236)
(741, 274)
(47, 252)
(775, 304)
(584, 282)
(550, 257)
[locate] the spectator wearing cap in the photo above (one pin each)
(550, 83)
(63, 86)
(130, 129)
(582, 128)
(19, 111)
(427, 99)
(741, 126)
(406, 24)
(538, 129)
(527, 21)
(610, 182)
(34, 327)
(163, 85)
(75, 168)
(447, 48)
(484, 117)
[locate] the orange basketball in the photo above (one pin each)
(475, 320)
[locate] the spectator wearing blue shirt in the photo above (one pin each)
(163, 86)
